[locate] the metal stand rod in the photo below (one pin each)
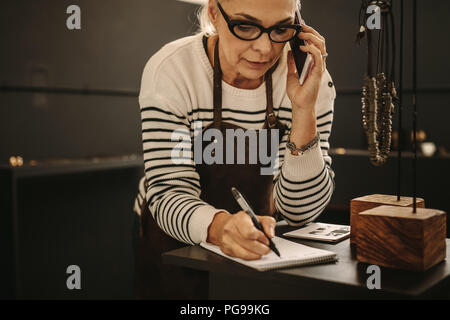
(414, 100)
(400, 97)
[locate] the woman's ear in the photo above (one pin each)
(213, 12)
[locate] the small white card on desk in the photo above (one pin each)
(321, 232)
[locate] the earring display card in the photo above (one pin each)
(321, 232)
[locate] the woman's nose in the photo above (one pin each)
(263, 44)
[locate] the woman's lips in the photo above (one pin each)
(257, 65)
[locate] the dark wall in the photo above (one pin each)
(108, 54)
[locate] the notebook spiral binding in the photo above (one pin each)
(302, 262)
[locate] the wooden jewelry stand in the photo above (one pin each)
(393, 233)
(396, 237)
(364, 203)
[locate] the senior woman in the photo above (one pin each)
(237, 73)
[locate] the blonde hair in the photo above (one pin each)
(205, 24)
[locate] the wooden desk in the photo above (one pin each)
(345, 279)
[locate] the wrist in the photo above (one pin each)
(215, 229)
(304, 126)
(303, 114)
(301, 137)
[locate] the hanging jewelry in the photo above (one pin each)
(378, 92)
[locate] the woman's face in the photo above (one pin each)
(240, 53)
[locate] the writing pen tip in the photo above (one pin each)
(276, 252)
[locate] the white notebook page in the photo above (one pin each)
(292, 254)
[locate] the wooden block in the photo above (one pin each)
(395, 237)
(361, 204)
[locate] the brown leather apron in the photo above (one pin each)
(157, 281)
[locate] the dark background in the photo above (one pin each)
(73, 94)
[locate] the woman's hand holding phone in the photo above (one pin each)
(303, 97)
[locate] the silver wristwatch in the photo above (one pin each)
(291, 146)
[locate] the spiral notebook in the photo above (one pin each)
(292, 254)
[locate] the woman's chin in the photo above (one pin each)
(252, 74)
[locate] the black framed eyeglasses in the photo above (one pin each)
(249, 31)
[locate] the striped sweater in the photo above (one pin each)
(176, 91)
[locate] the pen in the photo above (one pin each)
(246, 207)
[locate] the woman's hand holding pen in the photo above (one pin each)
(303, 97)
(237, 236)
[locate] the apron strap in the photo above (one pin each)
(217, 89)
(271, 119)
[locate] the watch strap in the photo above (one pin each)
(291, 146)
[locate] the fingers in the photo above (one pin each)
(237, 246)
(310, 35)
(247, 229)
(243, 240)
(254, 246)
(309, 29)
(314, 39)
(233, 249)
(268, 224)
(319, 64)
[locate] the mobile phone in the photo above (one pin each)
(303, 60)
